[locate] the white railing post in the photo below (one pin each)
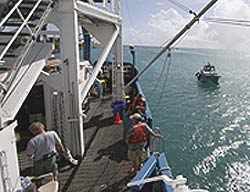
(105, 4)
(10, 13)
(20, 29)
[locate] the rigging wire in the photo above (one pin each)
(230, 23)
(133, 26)
(245, 23)
(182, 32)
(166, 42)
(182, 7)
(226, 19)
(158, 80)
(169, 55)
(144, 48)
(178, 35)
(168, 64)
(131, 22)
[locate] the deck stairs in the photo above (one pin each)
(21, 53)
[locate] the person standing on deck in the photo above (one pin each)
(136, 139)
(139, 105)
(42, 149)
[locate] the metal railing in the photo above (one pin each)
(24, 23)
(158, 144)
(32, 34)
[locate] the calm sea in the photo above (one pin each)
(207, 128)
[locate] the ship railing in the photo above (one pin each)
(23, 21)
(163, 178)
(175, 183)
(158, 144)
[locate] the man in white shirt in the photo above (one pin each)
(43, 149)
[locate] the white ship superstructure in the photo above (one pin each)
(24, 51)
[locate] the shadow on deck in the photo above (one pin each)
(116, 152)
(105, 165)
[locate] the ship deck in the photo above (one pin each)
(105, 165)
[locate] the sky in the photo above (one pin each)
(153, 22)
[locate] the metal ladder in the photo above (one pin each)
(19, 30)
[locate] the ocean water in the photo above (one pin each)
(207, 128)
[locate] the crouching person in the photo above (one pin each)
(42, 149)
(136, 139)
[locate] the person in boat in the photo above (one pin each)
(136, 139)
(207, 67)
(139, 105)
(212, 68)
(42, 150)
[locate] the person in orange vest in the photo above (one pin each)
(136, 139)
(139, 105)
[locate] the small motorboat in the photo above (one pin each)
(208, 74)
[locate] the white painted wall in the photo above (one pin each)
(8, 144)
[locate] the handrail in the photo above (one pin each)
(164, 178)
(178, 184)
(160, 141)
(21, 27)
(17, 65)
(10, 12)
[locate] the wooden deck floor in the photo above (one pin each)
(105, 164)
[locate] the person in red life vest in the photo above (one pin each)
(136, 139)
(139, 105)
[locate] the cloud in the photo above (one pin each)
(235, 37)
(166, 23)
(133, 36)
(159, 3)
